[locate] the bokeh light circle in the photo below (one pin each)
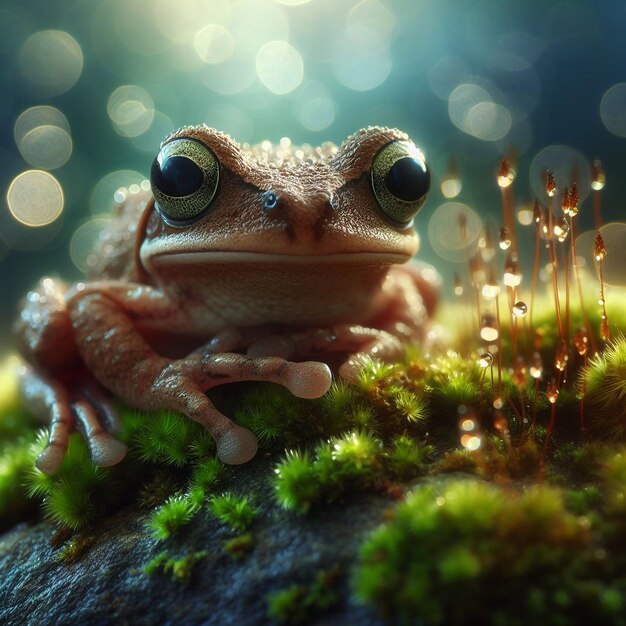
(613, 109)
(150, 141)
(453, 229)
(488, 121)
(35, 198)
(369, 26)
(103, 195)
(213, 43)
(566, 165)
(279, 67)
(46, 147)
(315, 109)
(360, 71)
(84, 240)
(51, 61)
(38, 116)
(471, 109)
(614, 268)
(131, 110)
(447, 73)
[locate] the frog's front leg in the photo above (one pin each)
(119, 357)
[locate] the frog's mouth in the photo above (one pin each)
(222, 257)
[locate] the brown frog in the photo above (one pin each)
(243, 263)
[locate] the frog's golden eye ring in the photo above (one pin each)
(400, 181)
(184, 177)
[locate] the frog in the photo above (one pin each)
(238, 262)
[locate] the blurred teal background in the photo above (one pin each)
(470, 79)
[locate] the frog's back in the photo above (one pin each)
(114, 255)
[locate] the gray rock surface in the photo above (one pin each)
(107, 585)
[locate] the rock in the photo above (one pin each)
(107, 585)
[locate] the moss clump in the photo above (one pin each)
(178, 569)
(78, 493)
(170, 438)
(298, 603)
(16, 463)
(239, 546)
(352, 462)
(237, 512)
(408, 457)
(440, 553)
(604, 384)
(75, 549)
(167, 519)
(339, 465)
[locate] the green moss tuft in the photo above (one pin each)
(166, 437)
(167, 519)
(408, 457)
(205, 475)
(604, 382)
(16, 463)
(178, 569)
(239, 546)
(341, 465)
(234, 511)
(440, 551)
(78, 493)
(75, 549)
(297, 604)
(296, 484)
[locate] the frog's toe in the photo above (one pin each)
(49, 461)
(310, 379)
(105, 450)
(236, 446)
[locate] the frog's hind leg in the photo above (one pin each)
(82, 410)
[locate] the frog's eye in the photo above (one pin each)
(184, 178)
(400, 181)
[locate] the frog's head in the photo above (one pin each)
(217, 202)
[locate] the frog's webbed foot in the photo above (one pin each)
(182, 386)
(82, 406)
(355, 340)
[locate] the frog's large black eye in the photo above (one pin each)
(184, 177)
(400, 181)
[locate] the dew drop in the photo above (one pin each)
(519, 309)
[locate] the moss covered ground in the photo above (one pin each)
(532, 533)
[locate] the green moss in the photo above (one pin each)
(16, 463)
(434, 558)
(166, 437)
(297, 604)
(239, 546)
(338, 466)
(78, 493)
(237, 512)
(205, 475)
(167, 519)
(604, 382)
(178, 569)
(408, 457)
(157, 490)
(75, 549)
